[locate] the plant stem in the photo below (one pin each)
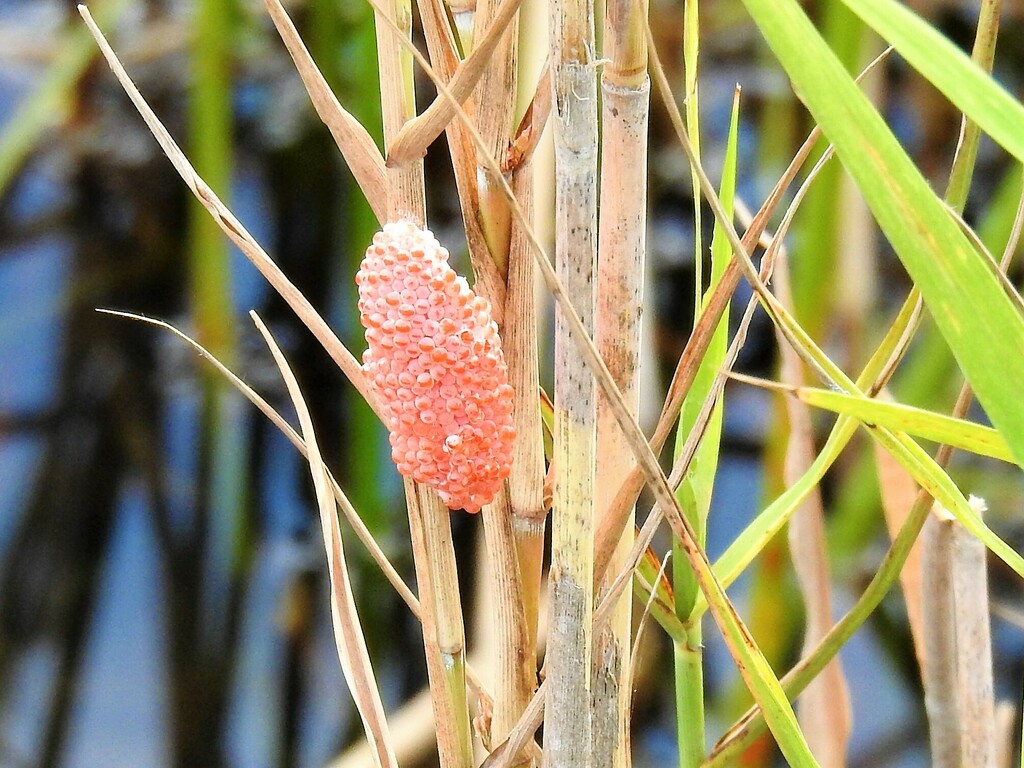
(429, 519)
(567, 737)
(625, 90)
(441, 616)
(526, 481)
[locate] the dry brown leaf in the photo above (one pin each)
(418, 134)
(348, 634)
(357, 146)
(233, 228)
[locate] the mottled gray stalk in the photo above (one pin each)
(567, 730)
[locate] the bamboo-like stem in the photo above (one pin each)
(429, 519)
(398, 106)
(516, 674)
(526, 481)
(567, 731)
(958, 673)
(441, 616)
(625, 90)
(494, 101)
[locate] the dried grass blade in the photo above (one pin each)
(353, 518)
(414, 734)
(356, 145)
(444, 53)
(233, 228)
(515, 665)
(412, 142)
(531, 126)
(506, 753)
(355, 660)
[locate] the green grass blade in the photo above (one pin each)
(696, 488)
(949, 69)
(814, 254)
(937, 427)
(940, 487)
(691, 51)
(964, 295)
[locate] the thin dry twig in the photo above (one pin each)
(412, 142)
(233, 227)
(356, 145)
(348, 633)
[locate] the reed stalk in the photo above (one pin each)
(514, 522)
(429, 518)
(514, 550)
(526, 481)
(625, 94)
(567, 733)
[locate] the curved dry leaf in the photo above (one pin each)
(356, 145)
(348, 634)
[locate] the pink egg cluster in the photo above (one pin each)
(434, 359)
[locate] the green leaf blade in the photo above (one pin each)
(979, 322)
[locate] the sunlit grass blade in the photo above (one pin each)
(696, 488)
(964, 435)
(960, 288)
(963, 81)
(904, 449)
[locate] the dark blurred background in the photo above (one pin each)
(162, 595)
